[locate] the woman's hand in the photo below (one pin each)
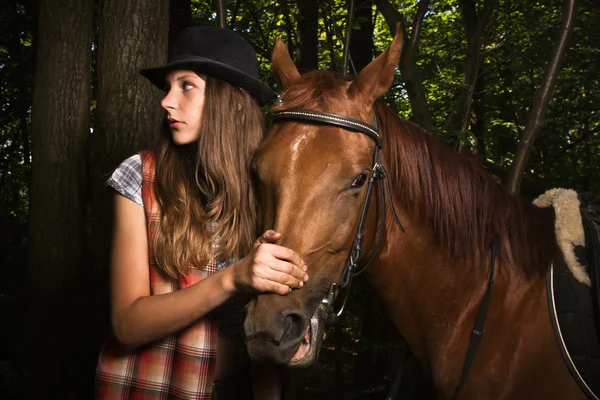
(269, 268)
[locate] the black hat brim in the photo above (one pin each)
(257, 89)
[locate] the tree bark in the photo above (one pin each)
(478, 125)
(221, 14)
(347, 37)
(542, 99)
(132, 34)
(361, 41)
(180, 16)
(308, 27)
(475, 25)
(408, 64)
(57, 221)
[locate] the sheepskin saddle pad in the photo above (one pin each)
(573, 282)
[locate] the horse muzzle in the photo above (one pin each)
(289, 338)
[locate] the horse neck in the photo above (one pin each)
(431, 297)
(415, 275)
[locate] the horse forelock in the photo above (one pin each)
(315, 90)
(460, 202)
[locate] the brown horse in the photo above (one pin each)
(432, 276)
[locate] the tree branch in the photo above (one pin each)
(540, 105)
(408, 65)
(475, 25)
(221, 13)
(349, 23)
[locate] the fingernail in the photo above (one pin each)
(300, 283)
(305, 268)
(305, 277)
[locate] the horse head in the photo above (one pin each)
(312, 181)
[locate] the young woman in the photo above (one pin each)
(184, 232)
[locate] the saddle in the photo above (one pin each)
(590, 218)
(573, 284)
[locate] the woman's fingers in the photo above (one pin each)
(270, 236)
(273, 273)
(284, 269)
(274, 268)
(282, 253)
(282, 259)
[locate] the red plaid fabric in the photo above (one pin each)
(180, 366)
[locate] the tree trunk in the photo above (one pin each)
(542, 99)
(475, 25)
(60, 129)
(308, 21)
(408, 64)
(478, 127)
(180, 16)
(361, 41)
(221, 14)
(132, 34)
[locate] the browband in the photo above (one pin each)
(332, 119)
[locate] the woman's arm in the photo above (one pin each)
(139, 318)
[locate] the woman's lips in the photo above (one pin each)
(173, 123)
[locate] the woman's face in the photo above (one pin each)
(184, 103)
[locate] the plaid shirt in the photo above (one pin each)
(180, 366)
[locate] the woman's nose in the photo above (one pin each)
(168, 101)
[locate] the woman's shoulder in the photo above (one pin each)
(127, 178)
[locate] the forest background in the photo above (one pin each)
(515, 83)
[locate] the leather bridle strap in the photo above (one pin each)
(476, 334)
(350, 270)
(377, 173)
(479, 322)
(326, 118)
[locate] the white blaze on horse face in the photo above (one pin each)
(296, 146)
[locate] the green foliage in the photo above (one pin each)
(16, 76)
(515, 51)
(17, 24)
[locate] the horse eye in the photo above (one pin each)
(359, 181)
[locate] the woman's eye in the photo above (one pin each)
(359, 181)
(186, 85)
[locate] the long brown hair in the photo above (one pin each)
(204, 189)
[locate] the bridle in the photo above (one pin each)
(378, 173)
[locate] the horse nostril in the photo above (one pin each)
(294, 326)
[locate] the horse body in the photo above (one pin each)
(435, 311)
(432, 277)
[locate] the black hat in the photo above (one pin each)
(216, 52)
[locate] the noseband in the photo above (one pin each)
(378, 173)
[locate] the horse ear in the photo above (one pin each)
(376, 78)
(284, 68)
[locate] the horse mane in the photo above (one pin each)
(461, 202)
